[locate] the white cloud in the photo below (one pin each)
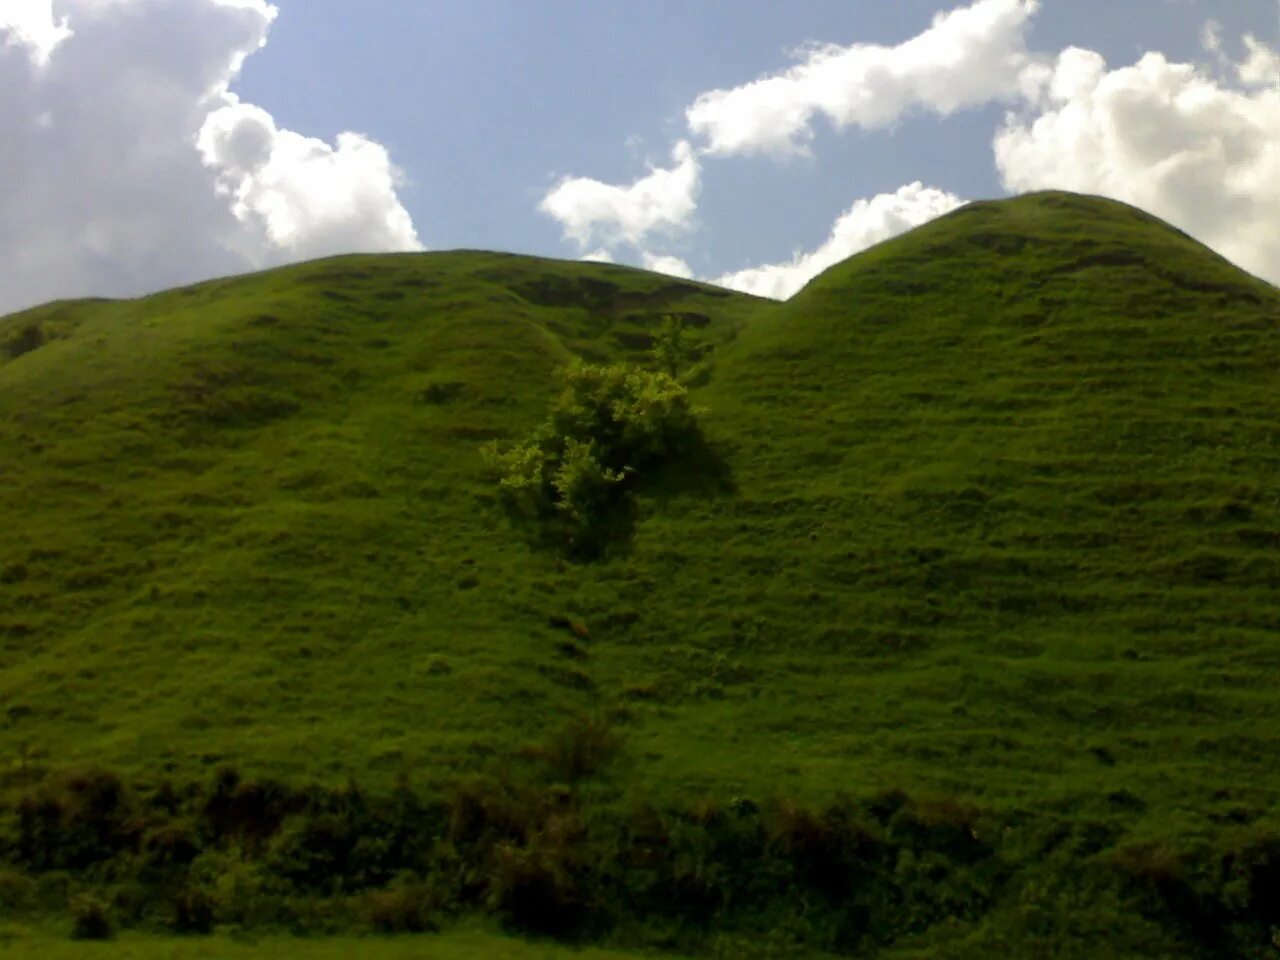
(591, 211)
(31, 24)
(1163, 136)
(670, 265)
(597, 256)
(1196, 145)
(867, 222)
(1211, 37)
(968, 57)
(108, 193)
(300, 197)
(1261, 67)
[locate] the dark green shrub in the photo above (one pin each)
(548, 885)
(314, 851)
(17, 891)
(77, 819)
(484, 811)
(547, 855)
(31, 337)
(670, 349)
(1251, 887)
(637, 418)
(574, 474)
(405, 906)
(194, 910)
(831, 851)
(171, 844)
(250, 812)
(134, 898)
(165, 798)
(1165, 882)
(89, 920)
(583, 747)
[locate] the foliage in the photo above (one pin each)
(76, 820)
(405, 906)
(576, 860)
(89, 920)
(27, 338)
(576, 471)
(582, 748)
(670, 345)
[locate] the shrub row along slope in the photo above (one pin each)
(993, 520)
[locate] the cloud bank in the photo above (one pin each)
(663, 201)
(1167, 137)
(129, 165)
(864, 224)
(968, 57)
(1197, 146)
(297, 196)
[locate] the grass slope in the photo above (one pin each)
(463, 945)
(1007, 487)
(1001, 525)
(247, 520)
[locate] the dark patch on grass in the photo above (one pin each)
(567, 677)
(441, 392)
(89, 920)
(28, 338)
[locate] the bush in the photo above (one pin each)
(75, 820)
(30, 337)
(670, 351)
(194, 910)
(171, 844)
(575, 472)
(17, 891)
(547, 885)
(582, 748)
(90, 920)
(403, 907)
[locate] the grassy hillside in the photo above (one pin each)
(247, 521)
(461, 945)
(1012, 478)
(998, 525)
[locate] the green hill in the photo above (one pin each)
(998, 525)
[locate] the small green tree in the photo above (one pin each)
(574, 473)
(670, 349)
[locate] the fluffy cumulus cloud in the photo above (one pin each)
(864, 224)
(1198, 146)
(672, 266)
(30, 24)
(1197, 150)
(129, 165)
(300, 197)
(663, 201)
(969, 56)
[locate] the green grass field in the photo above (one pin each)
(999, 527)
(468, 945)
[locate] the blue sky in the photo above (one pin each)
(517, 124)
(486, 102)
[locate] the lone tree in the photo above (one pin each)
(670, 349)
(575, 474)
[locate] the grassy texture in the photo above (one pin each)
(998, 521)
(248, 521)
(454, 946)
